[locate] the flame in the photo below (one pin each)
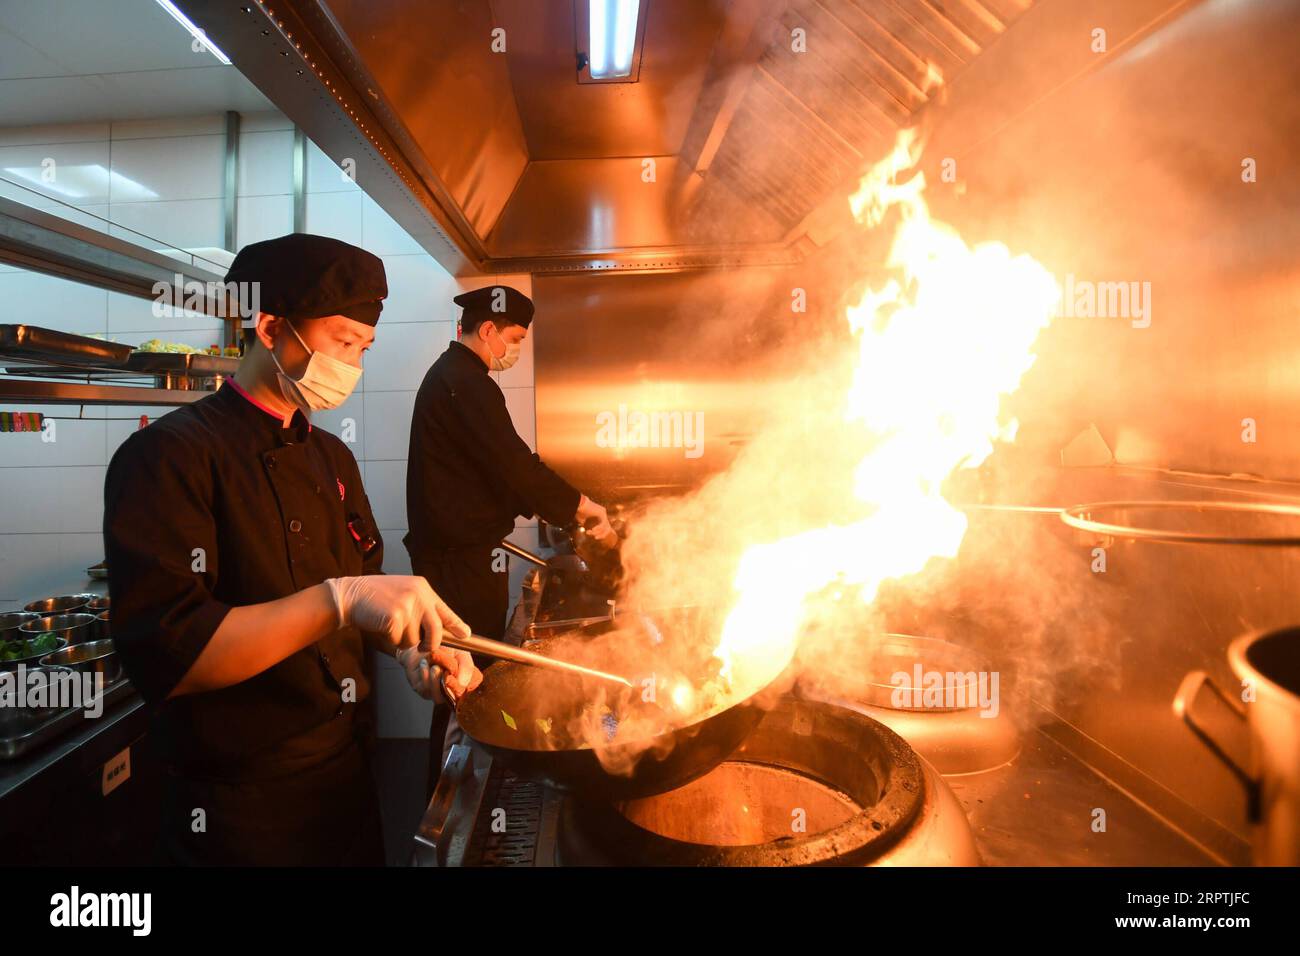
(938, 346)
(683, 697)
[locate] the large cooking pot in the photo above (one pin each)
(1268, 665)
(525, 717)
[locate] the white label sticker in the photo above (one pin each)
(117, 771)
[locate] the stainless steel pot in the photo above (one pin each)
(63, 604)
(1268, 664)
(74, 628)
(10, 621)
(90, 657)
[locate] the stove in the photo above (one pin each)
(1017, 782)
(814, 784)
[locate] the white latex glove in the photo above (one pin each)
(444, 673)
(401, 607)
(593, 518)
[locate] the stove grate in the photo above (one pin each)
(509, 822)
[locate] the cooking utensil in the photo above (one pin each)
(61, 605)
(1269, 663)
(102, 628)
(559, 562)
(31, 343)
(15, 720)
(29, 660)
(12, 620)
(72, 627)
(508, 652)
(599, 567)
(528, 720)
(1190, 522)
(92, 657)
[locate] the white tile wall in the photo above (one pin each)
(77, 170)
(48, 301)
(388, 425)
(336, 214)
(520, 404)
(403, 352)
(174, 167)
(266, 163)
(51, 531)
(325, 176)
(263, 217)
(381, 234)
(184, 223)
(386, 488)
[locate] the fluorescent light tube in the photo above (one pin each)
(194, 31)
(613, 37)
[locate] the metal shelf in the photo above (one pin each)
(46, 366)
(78, 393)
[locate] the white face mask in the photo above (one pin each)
(325, 383)
(503, 362)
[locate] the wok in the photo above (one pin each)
(549, 727)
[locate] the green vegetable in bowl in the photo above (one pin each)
(44, 643)
(15, 650)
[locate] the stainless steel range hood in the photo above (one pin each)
(745, 117)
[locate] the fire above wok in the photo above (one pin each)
(681, 718)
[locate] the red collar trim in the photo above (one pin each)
(270, 411)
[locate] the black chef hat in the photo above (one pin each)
(500, 303)
(301, 276)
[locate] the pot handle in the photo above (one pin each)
(1186, 696)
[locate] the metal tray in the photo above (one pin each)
(31, 343)
(182, 363)
(60, 724)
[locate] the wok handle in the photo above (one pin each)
(519, 552)
(1184, 699)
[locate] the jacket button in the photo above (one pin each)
(339, 712)
(295, 525)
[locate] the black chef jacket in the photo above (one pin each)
(468, 472)
(213, 506)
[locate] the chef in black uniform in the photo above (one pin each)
(469, 474)
(244, 568)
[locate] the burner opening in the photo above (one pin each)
(812, 784)
(743, 804)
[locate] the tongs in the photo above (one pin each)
(508, 652)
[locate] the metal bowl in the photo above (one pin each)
(90, 657)
(16, 721)
(12, 620)
(97, 604)
(32, 659)
(101, 626)
(74, 627)
(61, 605)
